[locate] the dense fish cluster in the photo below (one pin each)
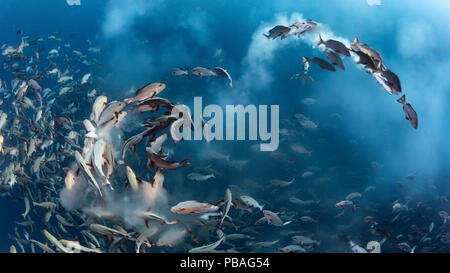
(84, 187)
(367, 56)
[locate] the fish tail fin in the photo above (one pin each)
(261, 207)
(267, 36)
(212, 175)
(292, 180)
(320, 41)
(402, 99)
(185, 162)
(355, 41)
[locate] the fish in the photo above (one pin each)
(321, 63)
(104, 230)
(281, 183)
(346, 204)
(336, 46)
(223, 73)
(149, 216)
(265, 244)
(97, 160)
(148, 91)
(85, 78)
(291, 249)
(309, 101)
(3, 119)
(42, 246)
(304, 241)
(46, 205)
(131, 178)
(199, 177)
(64, 79)
(372, 53)
(276, 32)
(404, 246)
(411, 115)
(300, 149)
(193, 207)
(33, 84)
(335, 59)
(300, 202)
(27, 207)
(203, 72)
(444, 215)
(226, 207)
(207, 248)
(274, 219)
(157, 144)
(364, 59)
(305, 63)
(55, 242)
(309, 219)
(85, 170)
(131, 142)
(249, 201)
(110, 111)
(90, 129)
(353, 195)
(77, 247)
(177, 71)
(171, 237)
(156, 161)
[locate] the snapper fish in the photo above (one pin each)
(177, 71)
(274, 219)
(148, 91)
(110, 111)
(207, 248)
(228, 199)
(223, 73)
(249, 201)
(34, 84)
(291, 249)
(203, 72)
(157, 161)
(199, 177)
(411, 115)
(335, 59)
(321, 63)
(85, 78)
(276, 32)
(336, 46)
(346, 204)
(372, 53)
(193, 207)
(150, 216)
(281, 183)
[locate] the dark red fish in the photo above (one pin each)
(411, 115)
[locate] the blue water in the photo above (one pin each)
(141, 41)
